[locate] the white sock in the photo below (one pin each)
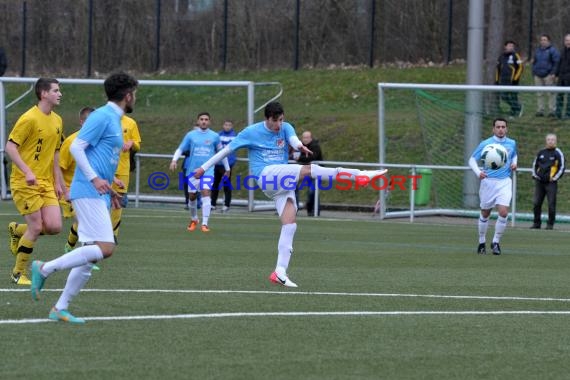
(483, 224)
(76, 280)
(500, 227)
(76, 258)
(206, 209)
(326, 173)
(193, 207)
(285, 248)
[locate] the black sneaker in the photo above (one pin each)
(535, 227)
(481, 249)
(549, 226)
(496, 248)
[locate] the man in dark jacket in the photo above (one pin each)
(547, 168)
(313, 146)
(563, 75)
(3, 61)
(544, 67)
(508, 73)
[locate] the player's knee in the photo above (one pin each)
(107, 249)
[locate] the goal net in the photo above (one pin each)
(433, 130)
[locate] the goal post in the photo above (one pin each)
(438, 127)
(165, 111)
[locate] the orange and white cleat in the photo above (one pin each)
(205, 228)
(192, 226)
(283, 280)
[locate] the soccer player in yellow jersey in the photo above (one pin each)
(67, 165)
(132, 143)
(36, 181)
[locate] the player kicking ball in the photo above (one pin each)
(268, 143)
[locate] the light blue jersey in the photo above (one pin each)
(102, 131)
(202, 145)
(265, 147)
(511, 147)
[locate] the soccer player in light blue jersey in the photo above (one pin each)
(268, 146)
(496, 189)
(96, 151)
(202, 143)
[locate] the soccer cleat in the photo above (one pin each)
(64, 316)
(37, 279)
(20, 279)
(192, 226)
(95, 267)
(14, 240)
(481, 249)
(549, 226)
(496, 248)
(535, 227)
(205, 228)
(273, 277)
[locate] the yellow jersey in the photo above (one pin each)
(38, 137)
(130, 132)
(66, 160)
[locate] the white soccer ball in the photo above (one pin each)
(494, 156)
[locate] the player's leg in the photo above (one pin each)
(318, 172)
(227, 193)
(551, 190)
(26, 247)
(193, 187)
(96, 229)
(538, 199)
(206, 209)
(503, 191)
(218, 175)
(287, 210)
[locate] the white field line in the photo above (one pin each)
(297, 293)
(300, 314)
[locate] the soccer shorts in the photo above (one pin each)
(204, 183)
(29, 199)
(67, 208)
(494, 192)
(94, 220)
(278, 182)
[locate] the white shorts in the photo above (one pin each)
(279, 182)
(494, 192)
(204, 183)
(94, 220)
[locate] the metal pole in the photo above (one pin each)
(297, 33)
(24, 37)
(449, 30)
(89, 38)
(225, 37)
(372, 33)
(530, 31)
(474, 99)
(157, 49)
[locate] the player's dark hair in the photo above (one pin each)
(510, 42)
(500, 119)
(44, 84)
(273, 110)
(118, 85)
(203, 114)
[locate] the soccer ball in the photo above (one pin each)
(494, 156)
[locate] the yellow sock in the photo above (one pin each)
(72, 237)
(116, 220)
(21, 229)
(25, 249)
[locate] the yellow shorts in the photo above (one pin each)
(125, 179)
(67, 208)
(29, 199)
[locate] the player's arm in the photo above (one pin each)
(177, 154)
(14, 154)
(296, 144)
(225, 160)
(561, 165)
(60, 188)
(223, 153)
(77, 149)
(475, 167)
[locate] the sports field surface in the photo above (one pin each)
(376, 300)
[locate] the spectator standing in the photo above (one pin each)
(227, 134)
(544, 68)
(508, 73)
(563, 75)
(317, 155)
(547, 168)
